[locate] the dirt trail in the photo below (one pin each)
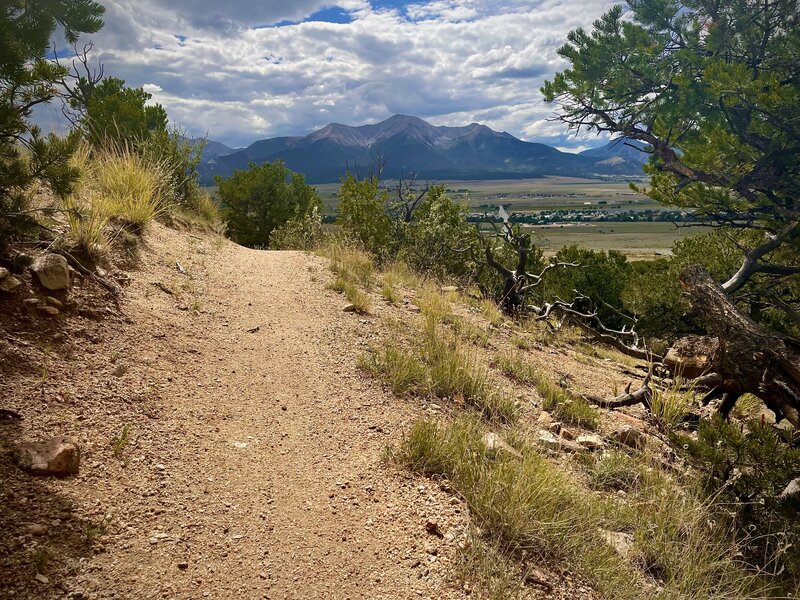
(254, 463)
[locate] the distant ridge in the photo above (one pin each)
(410, 144)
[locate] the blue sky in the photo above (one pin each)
(247, 70)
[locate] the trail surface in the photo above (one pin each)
(251, 466)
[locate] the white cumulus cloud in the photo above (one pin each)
(241, 71)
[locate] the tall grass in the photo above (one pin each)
(525, 504)
(514, 365)
(134, 188)
(436, 364)
(566, 406)
(354, 270)
(680, 548)
(670, 406)
(116, 183)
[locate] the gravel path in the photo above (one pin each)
(253, 467)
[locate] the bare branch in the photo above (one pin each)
(750, 264)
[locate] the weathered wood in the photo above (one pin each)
(643, 395)
(692, 356)
(750, 359)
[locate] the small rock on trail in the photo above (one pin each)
(57, 456)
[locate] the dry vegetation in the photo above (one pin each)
(630, 522)
(119, 193)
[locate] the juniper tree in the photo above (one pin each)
(712, 87)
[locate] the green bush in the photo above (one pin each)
(301, 233)
(362, 214)
(262, 198)
(117, 114)
(749, 466)
(599, 277)
(651, 291)
(439, 241)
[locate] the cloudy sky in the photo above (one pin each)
(243, 70)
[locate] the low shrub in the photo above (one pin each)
(300, 233)
(748, 466)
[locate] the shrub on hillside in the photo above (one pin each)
(363, 215)
(117, 114)
(439, 241)
(262, 198)
(749, 465)
(301, 233)
(598, 278)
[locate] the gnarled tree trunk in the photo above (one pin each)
(748, 358)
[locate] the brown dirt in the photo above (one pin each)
(253, 466)
(231, 448)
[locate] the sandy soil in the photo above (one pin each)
(230, 446)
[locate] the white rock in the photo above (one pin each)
(591, 441)
(621, 542)
(52, 271)
(792, 489)
(552, 442)
(629, 436)
(494, 443)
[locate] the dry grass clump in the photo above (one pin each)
(354, 270)
(678, 548)
(669, 407)
(468, 331)
(566, 406)
(351, 264)
(389, 291)
(521, 504)
(204, 209)
(116, 183)
(433, 303)
(437, 365)
(481, 565)
(491, 313)
(514, 366)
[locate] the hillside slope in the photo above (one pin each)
(252, 466)
(233, 441)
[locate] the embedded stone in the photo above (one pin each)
(56, 456)
(52, 271)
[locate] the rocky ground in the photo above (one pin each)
(229, 445)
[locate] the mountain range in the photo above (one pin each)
(408, 145)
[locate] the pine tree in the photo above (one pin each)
(713, 88)
(28, 79)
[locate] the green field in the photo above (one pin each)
(638, 240)
(526, 195)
